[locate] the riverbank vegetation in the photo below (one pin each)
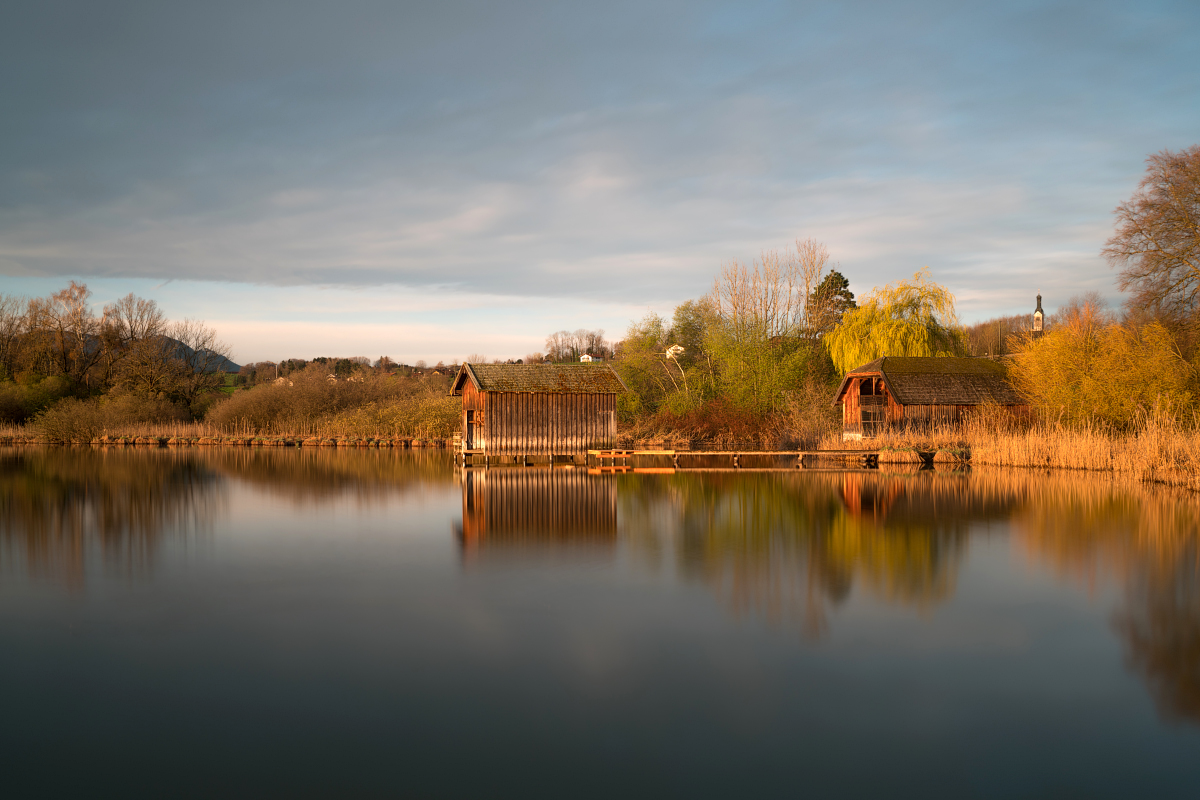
(71, 374)
(61, 361)
(368, 403)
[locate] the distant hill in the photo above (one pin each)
(203, 359)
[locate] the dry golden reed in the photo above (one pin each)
(1160, 449)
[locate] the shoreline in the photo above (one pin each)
(1161, 463)
(234, 441)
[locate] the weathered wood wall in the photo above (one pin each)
(472, 398)
(895, 414)
(933, 413)
(529, 423)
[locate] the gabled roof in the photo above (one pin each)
(939, 380)
(542, 378)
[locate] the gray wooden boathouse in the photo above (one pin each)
(893, 392)
(541, 410)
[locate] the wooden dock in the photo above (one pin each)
(733, 459)
(648, 461)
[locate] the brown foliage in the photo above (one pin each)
(313, 402)
(1157, 239)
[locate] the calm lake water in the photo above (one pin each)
(235, 622)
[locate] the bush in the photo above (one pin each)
(129, 409)
(19, 402)
(74, 420)
(1090, 370)
(366, 404)
(71, 420)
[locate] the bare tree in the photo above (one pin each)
(152, 367)
(133, 318)
(1157, 239)
(205, 355)
(67, 331)
(12, 321)
(770, 297)
(558, 346)
(128, 322)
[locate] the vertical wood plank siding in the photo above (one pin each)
(896, 413)
(535, 423)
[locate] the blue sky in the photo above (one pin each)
(432, 180)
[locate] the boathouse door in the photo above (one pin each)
(469, 441)
(872, 406)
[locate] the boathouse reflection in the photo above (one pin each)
(509, 509)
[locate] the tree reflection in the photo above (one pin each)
(1148, 539)
(315, 475)
(57, 505)
(1161, 626)
(792, 545)
(61, 507)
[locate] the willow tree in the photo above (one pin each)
(907, 318)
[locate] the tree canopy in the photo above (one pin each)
(1157, 238)
(1091, 369)
(829, 302)
(907, 318)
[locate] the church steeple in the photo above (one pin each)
(1037, 317)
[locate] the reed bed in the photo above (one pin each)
(1160, 449)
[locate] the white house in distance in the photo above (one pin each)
(586, 358)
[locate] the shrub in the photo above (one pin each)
(74, 420)
(25, 399)
(1091, 370)
(71, 420)
(367, 404)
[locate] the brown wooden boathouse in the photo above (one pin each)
(912, 392)
(537, 409)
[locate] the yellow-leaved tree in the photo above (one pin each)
(1091, 369)
(908, 318)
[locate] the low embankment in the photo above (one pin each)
(157, 439)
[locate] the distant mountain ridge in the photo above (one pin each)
(203, 360)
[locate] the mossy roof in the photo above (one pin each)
(940, 380)
(540, 378)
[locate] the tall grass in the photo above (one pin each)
(1158, 448)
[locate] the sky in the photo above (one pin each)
(430, 180)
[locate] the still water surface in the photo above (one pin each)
(216, 622)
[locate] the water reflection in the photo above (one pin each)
(514, 510)
(790, 548)
(315, 475)
(61, 506)
(793, 547)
